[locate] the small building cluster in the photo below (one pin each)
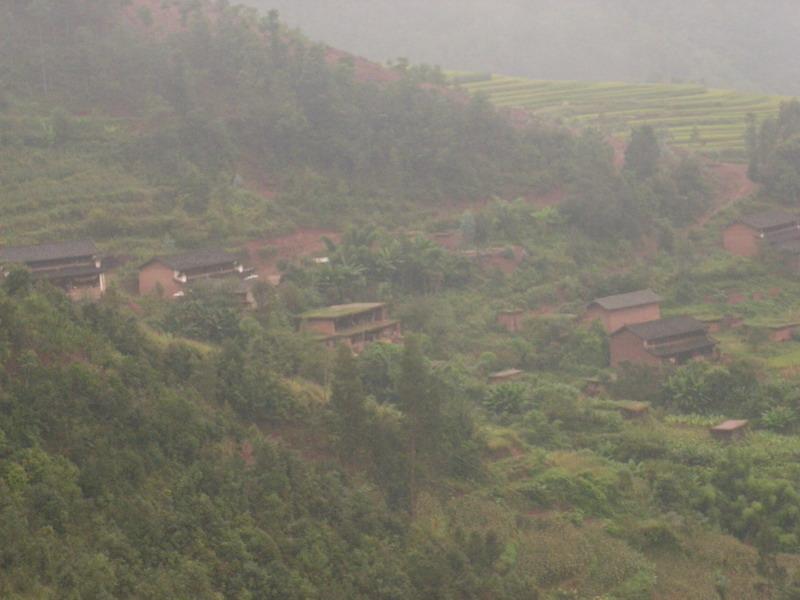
(78, 269)
(638, 334)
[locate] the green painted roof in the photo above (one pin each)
(341, 310)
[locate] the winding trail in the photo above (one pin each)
(733, 185)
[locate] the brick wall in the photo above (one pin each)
(627, 347)
(617, 319)
(741, 240)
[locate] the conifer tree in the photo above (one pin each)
(348, 403)
(420, 406)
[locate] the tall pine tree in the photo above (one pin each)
(348, 403)
(422, 407)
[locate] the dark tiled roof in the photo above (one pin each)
(46, 252)
(769, 220)
(198, 259)
(664, 328)
(791, 246)
(629, 300)
(691, 345)
(68, 272)
(781, 236)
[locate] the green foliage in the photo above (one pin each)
(347, 402)
(207, 312)
(774, 153)
(700, 387)
(643, 152)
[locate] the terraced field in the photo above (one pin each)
(707, 120)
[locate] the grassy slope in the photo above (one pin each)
(718, 116)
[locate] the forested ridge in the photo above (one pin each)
(227, 97)
(165, 448)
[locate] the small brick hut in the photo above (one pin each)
(747, 236)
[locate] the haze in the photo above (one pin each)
(745, 44)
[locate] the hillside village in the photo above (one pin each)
(279, 322)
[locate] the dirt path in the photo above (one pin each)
(733, 185)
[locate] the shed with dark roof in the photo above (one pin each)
(615, 312)
(169, 275)
(673, 340)
(745, 236)
(75, 267)
(54, 252)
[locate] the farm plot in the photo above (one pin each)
(710, 121)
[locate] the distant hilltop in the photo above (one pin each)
(748, 44)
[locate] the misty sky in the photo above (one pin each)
(748, 44)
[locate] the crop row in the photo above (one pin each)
(687, 114)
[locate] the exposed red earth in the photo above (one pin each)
(265, 254)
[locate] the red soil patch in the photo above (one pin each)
(495, 258)
(733, 185)
(552, 198)
(736, 298)
(166, 17)
(258, 181)
(619, 145)
(301, 243)
(247, 454)
(365, 70)
(449, 240)
(544, 310)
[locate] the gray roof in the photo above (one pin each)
(628, 300)
(790, 246)
(198, 259)
(664, 328)
(67, 272)
(47, 252)
(769, 219)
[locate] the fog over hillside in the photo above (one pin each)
(747, 44)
